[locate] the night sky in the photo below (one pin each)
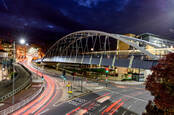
(48, 20)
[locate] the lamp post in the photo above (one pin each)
(21, 41)
(14, 58)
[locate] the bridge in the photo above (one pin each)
(93, 47)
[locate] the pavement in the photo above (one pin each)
(127, 82)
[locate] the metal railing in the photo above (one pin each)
(17, 106)
(15, 91)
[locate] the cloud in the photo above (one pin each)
(89, 3)
(119, 4)
(171, 30)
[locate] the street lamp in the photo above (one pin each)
(21, 41)
(14, 56)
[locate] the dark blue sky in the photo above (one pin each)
(50, 19)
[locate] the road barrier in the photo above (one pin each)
(17, 106)
(19, 87)
(15, 91)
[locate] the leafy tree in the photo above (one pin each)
(151, 109)
(161, 83)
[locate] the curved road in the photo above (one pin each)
(50, 94)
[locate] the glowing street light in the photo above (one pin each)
(92, 49)
(22, 41)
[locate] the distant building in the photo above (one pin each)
(7, 46)
(157, 40)
(35, 52)
(21, 52)
(3, 54)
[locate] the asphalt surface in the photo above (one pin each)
(115, 99)
(51, 93)
(123, 100)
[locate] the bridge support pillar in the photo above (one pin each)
(43, 67)
(57, 66)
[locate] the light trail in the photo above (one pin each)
(111, 106)
(46, 104)
(84, 110)
(115, 109)
(73, 111)
(43, 100)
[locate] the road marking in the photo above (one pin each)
(84, 103)
(135, 101)
(124, 113)
(44, 111)
(129, 106)
(128, 96)
(77, 101)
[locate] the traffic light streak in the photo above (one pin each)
(91, 105)
(45, 98)
(73, 111)
(114, 107)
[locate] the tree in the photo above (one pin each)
(151, 109)
(161, 83)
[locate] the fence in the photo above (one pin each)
(21, 104)
(15, 91)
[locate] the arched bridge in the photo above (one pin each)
(103, 49)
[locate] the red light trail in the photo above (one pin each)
(41, 102)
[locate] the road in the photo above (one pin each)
(115, 99)
(120, 100)
(47, 98)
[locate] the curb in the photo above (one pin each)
(143, 83)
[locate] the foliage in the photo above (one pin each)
(161, 83)
(151, 109)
